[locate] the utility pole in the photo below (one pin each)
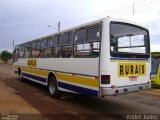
(133, 9)
(13, 53)
(59, 25)
(13, 45)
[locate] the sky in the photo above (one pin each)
(24, 20)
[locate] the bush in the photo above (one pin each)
(5, 56)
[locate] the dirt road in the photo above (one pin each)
(78, 107)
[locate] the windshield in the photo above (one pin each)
(155, 64)
(128, 40)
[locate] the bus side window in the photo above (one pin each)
(82, 50)
(27, 50)
(59, 40)
(86, 42)
(21, 51)
(38, 48)
(79, 41)
(43, 48)
(56, 48)
(95, 49)
(93, 36)
(49, 47)
(80, 36)
(34, 51)
(67, 45)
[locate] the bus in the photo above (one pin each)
(155, 68)
(104, 57)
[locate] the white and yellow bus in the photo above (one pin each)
(104, 57)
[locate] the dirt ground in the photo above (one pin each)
(12, 103)
(27, 98)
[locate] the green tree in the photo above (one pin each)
(5, 56)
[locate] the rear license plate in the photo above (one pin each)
(133, 78)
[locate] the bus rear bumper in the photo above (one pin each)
(125, 89)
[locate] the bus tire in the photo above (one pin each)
(53, 88)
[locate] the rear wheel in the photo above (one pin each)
(53, 88)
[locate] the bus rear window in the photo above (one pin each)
(127, 39)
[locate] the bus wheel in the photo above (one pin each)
(53, 88)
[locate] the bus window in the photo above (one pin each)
(34, 45)
(67, 46)
(65, 39)
(21, 51)
(43, 43)
(34, 51)
(27, 50)
(49, 47)
(82, 50)
(155, 65)
(56, 49)
(93, 34)
(95, 49)
(87, 44)
(56, 52)
(43, 48)
(38, 45)
(49, 42)
(70, 38)
(127, 39)
(59, 40)
(67, 51)
(55, 41)
(80, 36)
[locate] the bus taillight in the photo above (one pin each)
(105, 79)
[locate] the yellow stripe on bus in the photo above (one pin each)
(40, 72)
(83, 80)
(23, 69)
(35, 71)
(78, 79)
